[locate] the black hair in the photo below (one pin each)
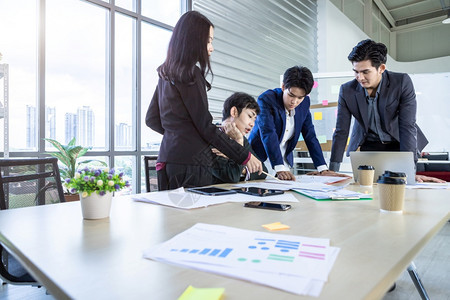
(187, 47)
(300, 77)
(369, 50)
(240, 101)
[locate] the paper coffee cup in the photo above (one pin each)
(391, 192)
(366, 174)
(399, 175)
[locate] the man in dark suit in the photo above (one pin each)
(238, 118)
(284, 115)
(383, 104)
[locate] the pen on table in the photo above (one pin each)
(271, 176)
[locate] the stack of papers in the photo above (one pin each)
(296, 264)
(286, 185)
(179, 198)
(429, 185)
(321, 179)
(315, 190)
(341, 194)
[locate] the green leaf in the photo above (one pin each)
(68, 155)
(92, 160)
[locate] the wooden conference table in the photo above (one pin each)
(81, 259)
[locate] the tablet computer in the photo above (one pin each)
(211, 191)
(254, 191)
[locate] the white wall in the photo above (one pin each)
(337, 35)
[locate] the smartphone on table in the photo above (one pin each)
(266, 205)
(254, 191)
(211, 191)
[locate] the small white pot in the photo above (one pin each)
(96, 206)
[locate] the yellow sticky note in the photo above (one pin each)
(318, 115)
(276, 226)
(192, 293)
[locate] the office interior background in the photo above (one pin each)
(87, 68)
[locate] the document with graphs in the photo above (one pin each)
(295, 264)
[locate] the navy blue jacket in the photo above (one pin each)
(270, 125)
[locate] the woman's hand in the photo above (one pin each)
(254, 165)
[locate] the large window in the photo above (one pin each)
(125, 82)
(152, 56)
(18, 44)
(75, 72)
(85, 69)
(164, 11)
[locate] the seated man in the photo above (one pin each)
(239, 115)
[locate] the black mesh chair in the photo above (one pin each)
(151, 179)
(26, 182)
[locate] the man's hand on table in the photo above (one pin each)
(423, 178)
(285, 175)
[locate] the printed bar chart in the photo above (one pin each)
(206, 251)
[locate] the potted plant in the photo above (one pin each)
(96, 188)
(68, 155)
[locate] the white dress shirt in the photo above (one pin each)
(287, 135)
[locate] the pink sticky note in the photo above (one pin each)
(316, 84)
(324, 102)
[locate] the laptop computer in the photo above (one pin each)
(382, 161)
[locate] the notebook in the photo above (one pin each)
(382, 161)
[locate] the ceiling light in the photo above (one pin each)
(447, 20)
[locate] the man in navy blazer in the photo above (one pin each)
(383, 104)
(284, 115)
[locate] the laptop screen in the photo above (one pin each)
(385, 161)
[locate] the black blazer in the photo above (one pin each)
(397, 107)
(180, 113)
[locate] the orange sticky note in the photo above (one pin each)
(192, 293)
(276, 226)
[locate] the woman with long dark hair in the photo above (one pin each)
(179, 110)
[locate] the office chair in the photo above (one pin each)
(26, 182)
(151, 178)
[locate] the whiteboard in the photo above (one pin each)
(433, 109)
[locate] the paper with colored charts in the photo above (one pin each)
(293, 263)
